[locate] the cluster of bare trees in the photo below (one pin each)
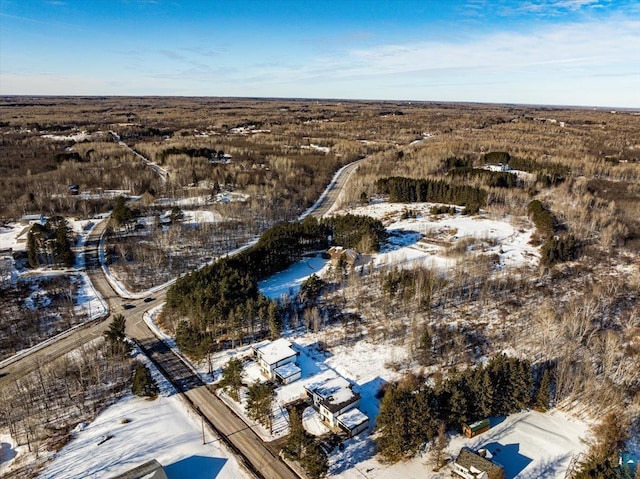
(29, 317)
(154, 255)
(41, 409)
(586, 328)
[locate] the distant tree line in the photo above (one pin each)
(411, 410)
(409, 190)
(50, 244)
(222, 301)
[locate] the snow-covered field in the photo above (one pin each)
(416, 237)
(163, 429)
(289, 280)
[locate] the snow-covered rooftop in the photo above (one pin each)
(287, 370)
(275, 351)
(353, 418)
(334, 392)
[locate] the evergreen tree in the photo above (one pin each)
(311, 288)
(274, 319)
(63, 254)
(541, 398)
(424, 350)
(232, 377)
(33, 251)
(121, 213)
(143, 382)
(406, 419)
(294, 447)
(314, 461)
(260, 398)
(116, 337)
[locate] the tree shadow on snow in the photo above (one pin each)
(397, 238)
(195, 467)
(370, 403)
(7, 453)
(495, 420)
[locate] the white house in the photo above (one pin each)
(337, 403)
(273, 355)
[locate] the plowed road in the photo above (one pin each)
(256, 455)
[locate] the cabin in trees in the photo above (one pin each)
(478, 427)
(346, 256)
(277, 360)
(476, 465)
(337, 403)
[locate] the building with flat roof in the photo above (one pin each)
(337, 403)
(272, 355)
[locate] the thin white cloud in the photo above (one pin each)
(597, 46)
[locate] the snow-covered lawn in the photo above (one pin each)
(529, 445)
(416, 237)
(138, 430)
(289, 280)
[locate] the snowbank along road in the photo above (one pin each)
(256, 455)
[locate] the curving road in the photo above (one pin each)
(258, 457)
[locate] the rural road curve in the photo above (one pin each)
(256, 455)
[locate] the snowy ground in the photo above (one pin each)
(10, 454)
(87, 301)
(420, 238)
(163, 429)
(530, 445)
(289, 281)
(424, 239)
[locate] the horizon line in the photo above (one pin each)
(329, 99)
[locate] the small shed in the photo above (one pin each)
(628, 462)
(478, 427)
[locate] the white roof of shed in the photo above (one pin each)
(275, 351)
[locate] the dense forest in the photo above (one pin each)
(222, 301)
(410, 190)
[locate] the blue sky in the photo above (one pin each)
(563, 52)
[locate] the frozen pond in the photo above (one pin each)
(289, 280)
